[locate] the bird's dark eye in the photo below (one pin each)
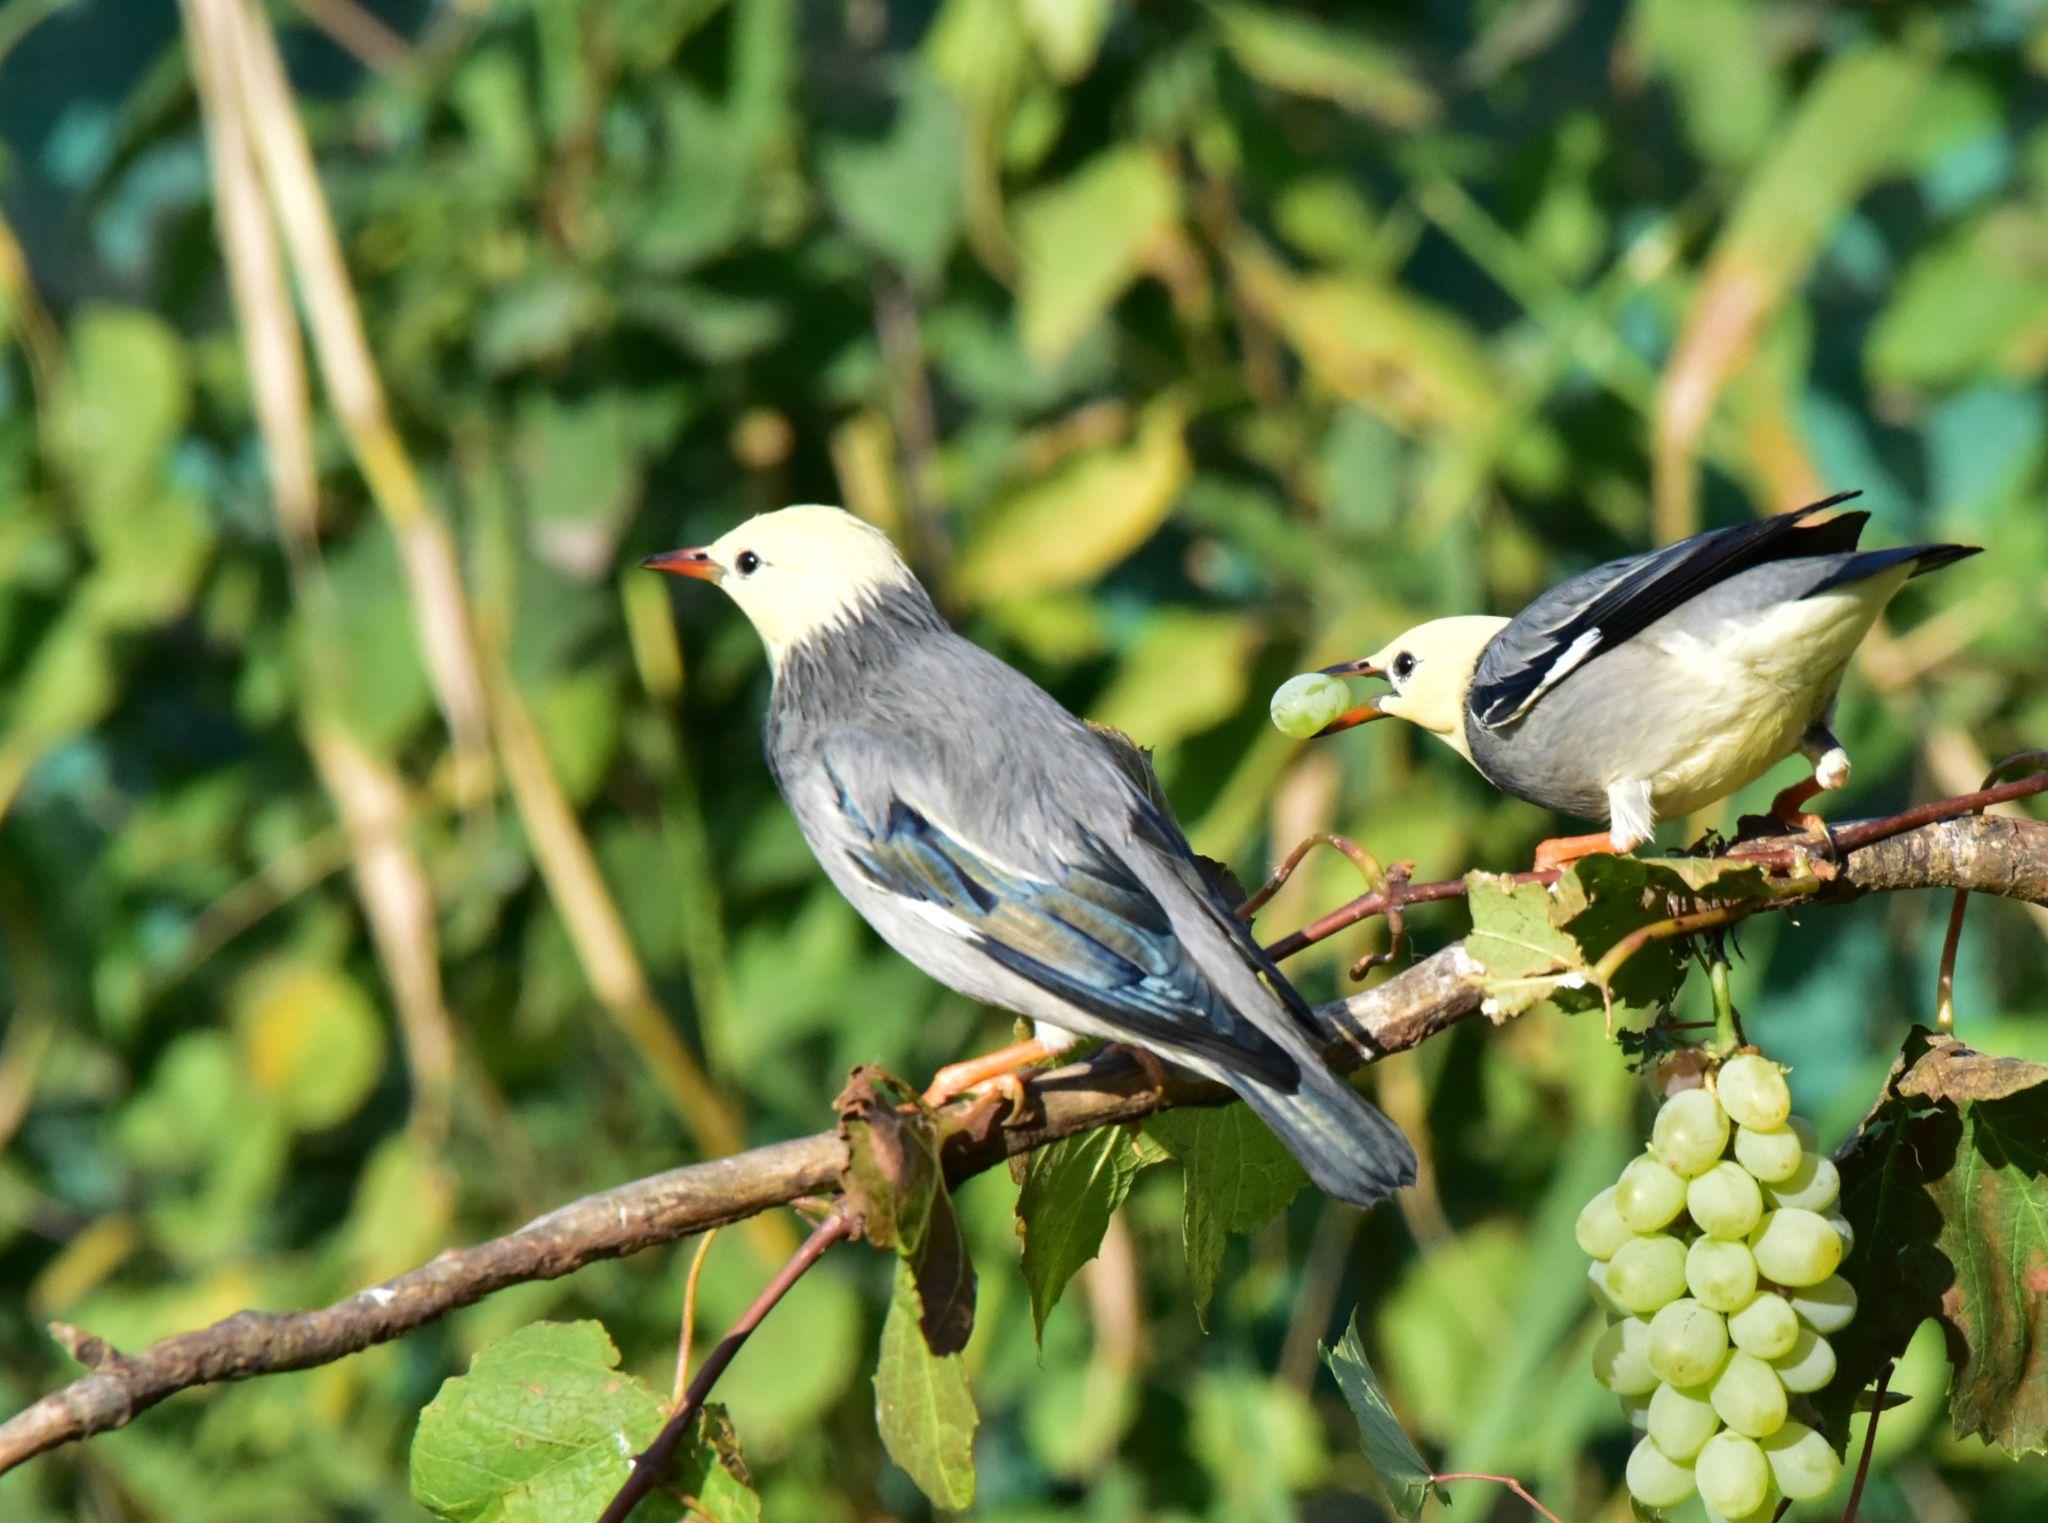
(1403, 667)
(746, 563)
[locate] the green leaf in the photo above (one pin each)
(1307, 57)
(1083, 241)
(1972, 303)
(1071, 1190)
(1071, 525)
(311, 1040)
(1187, 671)
(892, 1160)
(1946, 1186)
(128, 397)
(545, 1426)
(1259, 1440)
(1066, 33)
(1521, 954)
(901, 195)
(1994, 1207)
(1406, 1481)
(1238, 1178)
(923, 1406)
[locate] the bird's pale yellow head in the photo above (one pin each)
(796, 572)
(1429, 670)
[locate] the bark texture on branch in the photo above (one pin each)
(2004, 857)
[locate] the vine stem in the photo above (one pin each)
(650, 1462)
(690, 1315)
(1499, 1480)
(1884, 1379)
(1945, 980)
(1771, 852)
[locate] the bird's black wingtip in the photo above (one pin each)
(1827, 502)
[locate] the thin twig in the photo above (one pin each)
(1367, 864)
(1884, 1379)
(649, 1464)
(1952, 942)
(690, 1314)
(1499, 1480)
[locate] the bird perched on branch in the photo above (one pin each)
(1004, 847)
(1657, 684)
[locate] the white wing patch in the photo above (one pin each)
(937, 916)
(1569, 660)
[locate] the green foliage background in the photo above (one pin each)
(1186, 346)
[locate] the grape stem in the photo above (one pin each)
(1727, 1024)
(1499, 1480)
(1869, 1443)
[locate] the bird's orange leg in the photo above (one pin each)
(991, 1068)
(1558, 851)
(1788, 808)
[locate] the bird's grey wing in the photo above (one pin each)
(1079, 922)
(1581, 619)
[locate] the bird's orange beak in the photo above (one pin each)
(697, 563)
(1366, 712)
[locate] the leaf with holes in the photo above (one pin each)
(1946, 1186)
(1522, 955)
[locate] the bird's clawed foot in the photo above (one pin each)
(995, 1071)
(1154, 1069)
(1788, 809)
(1561, 851)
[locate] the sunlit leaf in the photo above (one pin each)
(311, 1040)
(1186, 672)
(543, 1427)
(1088, 514)
(1083, 241)
(1297, 53)
(1520, 953)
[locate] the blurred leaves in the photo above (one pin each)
(1083, 241)
(1075, 523)
(1187, 347)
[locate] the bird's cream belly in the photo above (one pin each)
(1747, 694)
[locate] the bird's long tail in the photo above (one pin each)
(1349, 1149)
(1869, 563)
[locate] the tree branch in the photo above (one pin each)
(2003, 857)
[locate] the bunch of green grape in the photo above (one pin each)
(1716, 1252)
